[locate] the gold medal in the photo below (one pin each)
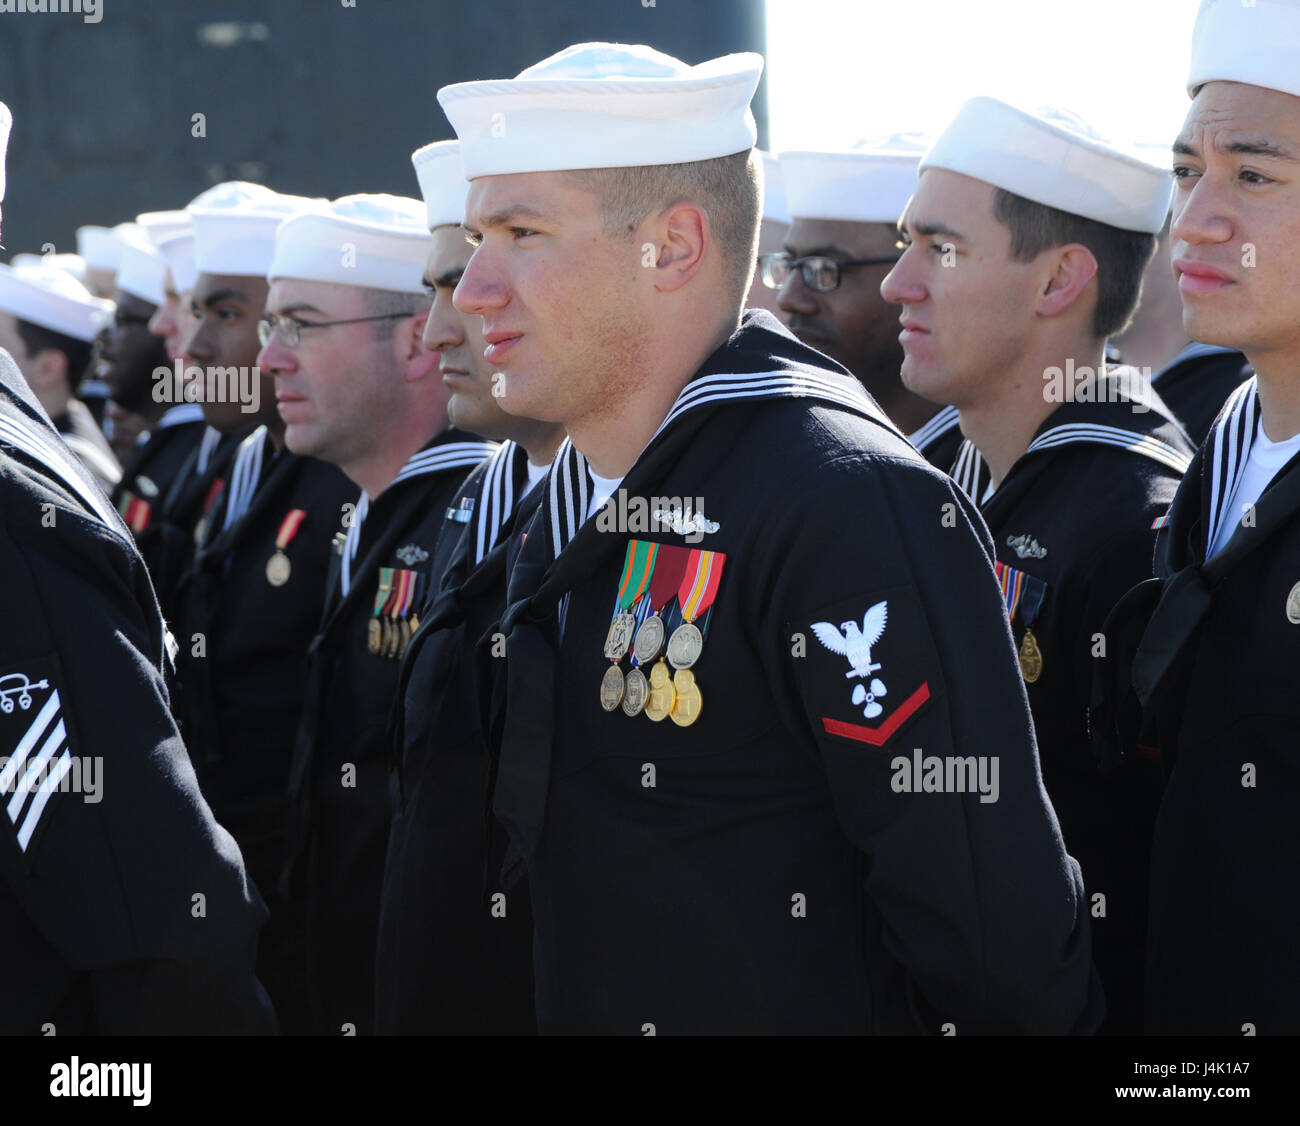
(685, 646)
(662, 695)
(611, 688)
(635, 692)
(278, 569)
(374, 636)
(689, 702)
(403, 637)
(1031, 658)
(415, 622)
(199, 529)
(1293, 605)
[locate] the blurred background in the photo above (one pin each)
(317, 98)
(308, 96)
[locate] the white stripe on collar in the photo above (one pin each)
(207, 447)
(49, 451)
(1192, 351)
(422, 463)
(244, 476)
(570, 484)
(179, 415)
(1131, 440)
(933, 430)
(498, 497)
(1229, 444)
(967, 469)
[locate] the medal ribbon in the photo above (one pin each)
(402, 597)
(670, 567)
(1020, 592)
(385, 589)
(214, 491)
(699, 585)
(638, 566)
(289, 528)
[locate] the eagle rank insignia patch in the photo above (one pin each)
(868, 668)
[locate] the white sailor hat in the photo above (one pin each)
(869, 183)
(604, 105)
(235, 224)
(441, 173)
(52, 298)
(174, 229)
(374, 241)
(73, 264)
(775, 205)
(1256, 43)
(99, 247)
(6, 120)
(1052, 157)
(141, 270)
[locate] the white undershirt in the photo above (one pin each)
(1266, 458)
(535, 474)
(602, 488)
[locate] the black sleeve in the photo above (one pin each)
(979, 901)
(119, 872)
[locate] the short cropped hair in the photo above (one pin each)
(37, 338)
(390, 303)
(729, 188)
(1121, 255)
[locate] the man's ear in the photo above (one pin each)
(1072, 268)
(414, 359)
(679, 239)
(49, 368)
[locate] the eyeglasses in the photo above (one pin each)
(819, 273)
(289, 329)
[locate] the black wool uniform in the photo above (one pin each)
(82, 435)
(1197, 382)
(385, 566)
(155, 464)
(454, 953)
(763, 860)
(124, 906)
(1072, 524)
(941, 443)
(1216, 674)
(244, 623)
(177, 522)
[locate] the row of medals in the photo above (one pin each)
(389, 637)
(676, 696)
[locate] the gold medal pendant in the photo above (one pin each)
(394, 638)
(1031, 658)
(199, 529)
(689, 702)
(662, 695)
(374, 636)
(278, 569)
(611, 688)
(636, 691)
(403, 638)
(685, 646)
(1293, 605)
